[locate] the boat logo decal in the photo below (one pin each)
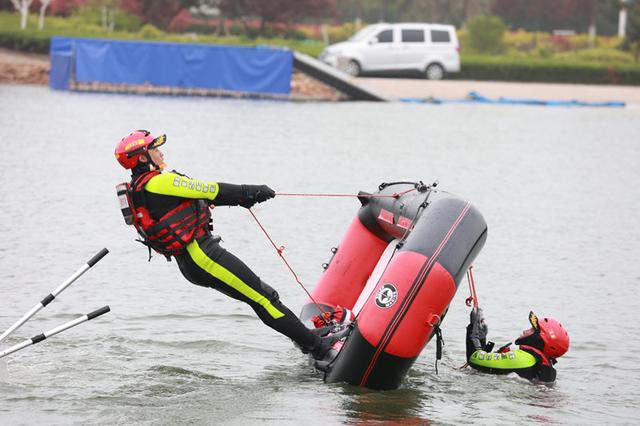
(387, 296)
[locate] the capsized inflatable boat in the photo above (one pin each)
(392, 278)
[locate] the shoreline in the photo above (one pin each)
(458, 89)
(30, 68)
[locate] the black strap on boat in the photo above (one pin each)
(416, 185)
(420, 186)
(421, 207)
(439, 344)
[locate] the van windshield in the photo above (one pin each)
(363, 33)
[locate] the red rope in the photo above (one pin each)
(473, 297)
(325, 315)
(279, 250)
(394, 195)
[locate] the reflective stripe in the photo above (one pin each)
(224, 275)
(182, 186)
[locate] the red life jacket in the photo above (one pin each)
(170, 234)
(543, 357)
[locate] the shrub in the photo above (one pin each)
(91, 17)
(294, 34)
(579, 41)
(550, 70)
(521, 40)
(485, 33)
(342, 32)
(236, 30)
(311, 33)
(608, 56)
(148, 31)
(543, 52)
(560, 43)
(127, 21)
(24, 41)
(201, 29)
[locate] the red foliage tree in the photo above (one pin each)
(65, 7)
(181, 22)
(544, 15)
(157, 12)
(278, 11)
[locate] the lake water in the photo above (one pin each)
(558, 187)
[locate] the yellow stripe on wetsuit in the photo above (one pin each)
(182, 186)
(224, 275)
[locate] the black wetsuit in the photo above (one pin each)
(206, 263)
(527, 361)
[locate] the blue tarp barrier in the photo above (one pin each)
(241, 69)
(61, 63)
(476, 98)
(60, 71)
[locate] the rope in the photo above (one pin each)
(325, 315)
(419, 186)
(473, 296)
(394, 195)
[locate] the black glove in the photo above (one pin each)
(478, 328)
(252, 194)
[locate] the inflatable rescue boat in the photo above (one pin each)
(391, 280)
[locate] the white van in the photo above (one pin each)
(432, 49)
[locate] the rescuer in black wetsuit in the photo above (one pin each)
(171, 213)
(539, 348)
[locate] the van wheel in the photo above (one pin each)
(434, 72)
(352, 68)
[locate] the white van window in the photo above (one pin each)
(440, 36)
(363, 33)
(413, 36)
(385, 36)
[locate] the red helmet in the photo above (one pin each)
(131, 147)
(555, 337)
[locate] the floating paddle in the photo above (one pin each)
(49, 298)
(40, 337)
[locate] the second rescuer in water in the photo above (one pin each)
(539, 348)
(171, 213)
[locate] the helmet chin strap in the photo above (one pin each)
(152, 164)
(531, 340)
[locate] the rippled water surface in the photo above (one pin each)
(558, 188)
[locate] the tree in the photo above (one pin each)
(486, 33)
(65, 7)
(633, 29)
(43, 10)
(278, 11)
(22, 6)
(547, 15)
(453, 12)
(157, 12)
(6, 5)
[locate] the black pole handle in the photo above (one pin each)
(98, 312)
(95, 259)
